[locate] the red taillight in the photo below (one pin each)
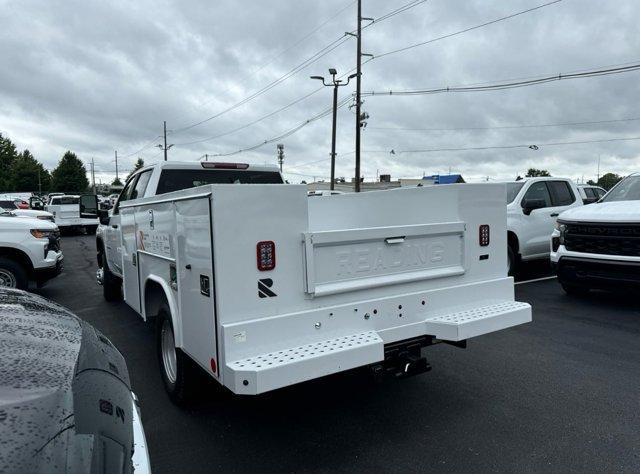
(225, 166)
(484, 236)
(266, 254)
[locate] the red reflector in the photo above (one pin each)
(225, 166)
(484, 235)
(266, 254)
(214, 367)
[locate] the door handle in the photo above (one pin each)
(394, 240)
(188, 266)
(115, 226)
(555, 214)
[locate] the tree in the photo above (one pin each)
(592, 183)
(608, 180)
(8, 156)
(70, 175)
(28, 174)
(533, 172)
(116, 182)
(139, 164)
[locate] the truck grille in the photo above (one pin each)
(605, 239)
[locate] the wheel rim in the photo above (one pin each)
(7, 279)
(168, 351)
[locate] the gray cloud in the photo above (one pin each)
(97, 76)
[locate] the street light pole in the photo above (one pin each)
(335, 83)
(358, 81)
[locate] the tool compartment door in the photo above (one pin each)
(347, 260)
(195, 282)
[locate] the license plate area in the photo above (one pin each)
(347, 260)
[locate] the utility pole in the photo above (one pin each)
(358, 83)
(280, 148)
(117, 166)
(335, 83)
(598, 169)
(165, 148)
(93, 175)
(39, 183)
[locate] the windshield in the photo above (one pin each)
(175, 180)
(7, 204)
(512, 190)
(65, 200)
(626, 190)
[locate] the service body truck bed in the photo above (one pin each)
(354, 276)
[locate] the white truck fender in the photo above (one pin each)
(154, 304)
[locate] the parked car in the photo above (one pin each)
(66, 403)
(75, 212)
(590, 194)
(52, 195)
(29, 251)
(598, 246)
(533, 204)
(9, 204)
(263, 287)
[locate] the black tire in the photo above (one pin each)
(179, 380)
(512, 261)
(91, 229)
(13, 274)
(574, 290)
(111, 284)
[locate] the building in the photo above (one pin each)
(385, 182)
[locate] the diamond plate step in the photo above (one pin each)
(281, 368)
(465, 324)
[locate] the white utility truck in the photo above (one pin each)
(598, 246)
(264, 287)
(75, 212)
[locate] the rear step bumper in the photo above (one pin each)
(272, 370)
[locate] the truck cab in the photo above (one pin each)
(161, 178)
(29, 251)
(598, 246)
(533, 204)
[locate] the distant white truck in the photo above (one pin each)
(263, 287)
(598, 246)
(29, 251)
(75, 212)
(533, 205)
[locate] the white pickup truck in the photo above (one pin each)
(598, 246)
(263, 287)
(533, 204)
(75, 212)
(29, 251)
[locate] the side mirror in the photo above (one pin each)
(104, 217)
(529, 205)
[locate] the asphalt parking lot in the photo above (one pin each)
(558, 395)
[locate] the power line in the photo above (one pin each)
(307, 62)
(287, 133)
(395, 12)
(150, 144)
(513, 84)
(528, 145)
(287, 49)
(505, 127)
(466, 30)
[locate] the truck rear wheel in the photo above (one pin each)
(176, 368)
(574, 289)
(512, 261)
(12, 274)
(111, 284)
(91, 229)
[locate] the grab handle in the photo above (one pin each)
(394, 240)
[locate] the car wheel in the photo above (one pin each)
(574, 290)
(111, 284)
(178, 371)
(512, 261)
(12, 274)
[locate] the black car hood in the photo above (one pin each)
(65, 399)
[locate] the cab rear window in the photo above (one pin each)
(175, 180)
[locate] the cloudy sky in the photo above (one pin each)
(95, 77)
